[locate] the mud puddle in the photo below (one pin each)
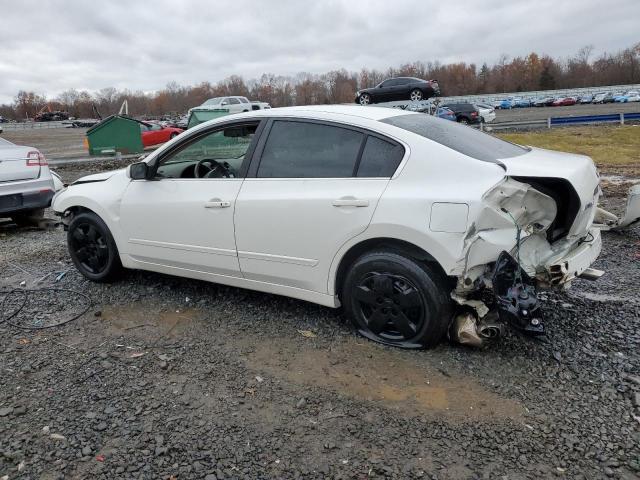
(397, 379)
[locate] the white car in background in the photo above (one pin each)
(26, 184)
(404, 219)
(487, 112)
(235, 104)
(633, 96)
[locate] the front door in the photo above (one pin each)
(183, 216)
(315, 187)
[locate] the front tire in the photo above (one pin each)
(365, 99)
(396, 300)
(93, 249)
(416, 95)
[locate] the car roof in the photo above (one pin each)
(372, 113)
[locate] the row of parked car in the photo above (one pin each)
(602, 97)
(461, 112)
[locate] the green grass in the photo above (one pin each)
(610, 145)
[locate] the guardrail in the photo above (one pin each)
(620, 118)
(31, 125)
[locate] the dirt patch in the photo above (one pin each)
(53, 142)
(395, 379)
(143, 318)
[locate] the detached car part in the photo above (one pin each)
(608, 221)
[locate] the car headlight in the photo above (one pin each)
(358, 93)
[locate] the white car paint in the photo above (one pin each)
(26, 184)
(288, 236)
(633, 96)
(233, 103)
(487, 112)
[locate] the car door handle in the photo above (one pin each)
(350, 202)
(217, 203)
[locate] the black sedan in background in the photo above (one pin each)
(399, 88)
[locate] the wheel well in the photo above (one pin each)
(406, 248)
(71, 212)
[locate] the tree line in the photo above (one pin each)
(531, 72)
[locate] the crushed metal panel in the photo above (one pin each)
(494, 230)
(632, 211)
(608, 221)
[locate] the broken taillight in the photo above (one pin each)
(36, 159)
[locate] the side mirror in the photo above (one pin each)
(138, 171)
(223, 103)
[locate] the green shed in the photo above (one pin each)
(116, 133)
(197, 117)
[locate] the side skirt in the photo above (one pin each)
(299, 293)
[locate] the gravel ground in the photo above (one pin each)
(173, 378)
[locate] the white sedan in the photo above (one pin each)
(26, 183)
(402, 218)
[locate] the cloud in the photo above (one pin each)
(49, 46)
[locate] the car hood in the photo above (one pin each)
(579, 170)
(98, 177)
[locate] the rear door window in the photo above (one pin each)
(297, 149)
(380, 158)
(460, 138)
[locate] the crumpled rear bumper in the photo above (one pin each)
(562, 269)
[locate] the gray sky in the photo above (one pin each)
(49, 46)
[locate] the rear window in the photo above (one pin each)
(460, 138)
(379, 158)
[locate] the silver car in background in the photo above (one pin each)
(26, 184)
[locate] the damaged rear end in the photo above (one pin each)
(535, 230)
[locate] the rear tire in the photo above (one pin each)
(28, 218)
(396, 300)
(93, 249)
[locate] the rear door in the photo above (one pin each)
(311, 187)
(16, 163)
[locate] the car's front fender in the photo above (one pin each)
(103, 198)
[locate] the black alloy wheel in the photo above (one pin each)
(92, 248)
(396, 300)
